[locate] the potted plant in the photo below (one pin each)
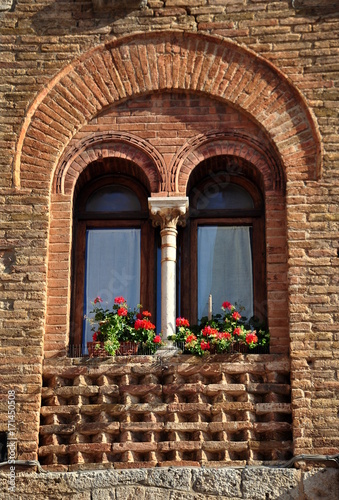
(121, 330)
(223, 333)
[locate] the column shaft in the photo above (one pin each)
(168, 279)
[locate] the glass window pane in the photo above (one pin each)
(113, 199)
(232, 196)
(225, 268)
(112, 269)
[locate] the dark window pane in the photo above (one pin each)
(113, 199)
(230, 197)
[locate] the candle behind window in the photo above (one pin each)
(210, 307)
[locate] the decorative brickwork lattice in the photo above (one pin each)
(227, 410)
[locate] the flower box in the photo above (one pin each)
(121, 330)
(221, 334)
(128, 348)
(96, 350)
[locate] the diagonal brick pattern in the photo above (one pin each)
(226, 410)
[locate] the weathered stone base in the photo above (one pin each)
(252, 483)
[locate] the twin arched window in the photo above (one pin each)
(221, 251)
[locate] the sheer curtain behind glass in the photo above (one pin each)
(112, 269)
(224, 268)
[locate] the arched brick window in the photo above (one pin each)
(224, 241)
(114, 248)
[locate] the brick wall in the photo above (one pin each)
(281, 86)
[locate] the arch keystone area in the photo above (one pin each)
(149, 62)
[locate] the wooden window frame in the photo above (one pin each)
(110, 220)
(188, 248)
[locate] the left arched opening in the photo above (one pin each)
(114, 244)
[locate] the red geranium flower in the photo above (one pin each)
(122, 311)
(182, 322)
(147, 314)
(157, 339)
(143, 324)
(148, 325)
(208, 331)
(95, 336)
(225, 335)
(236, 315)
(205, 346)
(251, 338)
(227, 305)
(190, 338)
(119, 300)
(237, 331)
(139, 316)
(97, 299)
(139, 323)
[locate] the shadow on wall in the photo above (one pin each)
(81, 16)
(317, 484)
(319, 8)
(264, 483)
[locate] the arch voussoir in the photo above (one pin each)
(224, 144)
(108, 145)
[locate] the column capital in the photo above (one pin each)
(168, 212)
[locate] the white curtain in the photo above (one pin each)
(112, 269)
(224, 268)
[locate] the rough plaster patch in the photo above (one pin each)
(321, 484)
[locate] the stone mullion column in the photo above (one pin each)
(168, 279)
(167, 213)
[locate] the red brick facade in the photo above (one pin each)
(166, 86)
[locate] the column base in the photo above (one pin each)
(168, 350)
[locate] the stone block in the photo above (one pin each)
(219, 482)
(260, 483)
(321, 483)
(170, 478)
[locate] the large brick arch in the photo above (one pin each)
(145, 63)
